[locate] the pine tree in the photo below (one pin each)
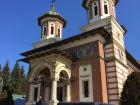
(6, 74)
(28, 73)
(15, 78)
(131, 91)
(22, 81)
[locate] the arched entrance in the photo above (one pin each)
(44, 79)
(62, 84)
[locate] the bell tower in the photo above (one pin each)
(99, 9)
(101, 13)
(52, 24)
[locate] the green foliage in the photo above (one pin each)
(15, 78)
(22, 81)
(6, 74)
(131, 91)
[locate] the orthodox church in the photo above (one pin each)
(89, 67)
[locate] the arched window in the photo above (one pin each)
(106, 7)
(95, 8)
(52, 29)
(44, 31)
(59, 31)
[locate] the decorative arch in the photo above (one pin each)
(63, 69)
(39, 67)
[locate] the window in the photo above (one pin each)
(86, 88)
(95, 9)
(106, 7)
(45, 31)
(52, 29)
(59, 31)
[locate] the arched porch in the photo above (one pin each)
(52, 86)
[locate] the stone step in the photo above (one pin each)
(81, 103)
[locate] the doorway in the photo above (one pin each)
(60, 94)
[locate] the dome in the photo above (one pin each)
(52, 14)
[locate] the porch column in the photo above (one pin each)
(53, 100)
(30, 98)
(68, 92)
(54, 89)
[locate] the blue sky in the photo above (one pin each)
(19, 28)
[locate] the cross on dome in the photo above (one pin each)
(53, 9)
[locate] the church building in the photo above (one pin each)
(89, 67)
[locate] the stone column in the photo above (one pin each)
(31, 92)
(54, 89)
(68, 92)
(53, 100)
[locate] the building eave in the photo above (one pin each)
(49, 52)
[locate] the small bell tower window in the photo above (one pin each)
(95, 9)
(52, 29)
(106, 10)
(59, 32)
(45, 31)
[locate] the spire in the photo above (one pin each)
(53, 6)
(53, 9)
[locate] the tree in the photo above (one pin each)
(18, 79)
(15, 78)
(22, 81)
(6, 74)
(131, 91)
